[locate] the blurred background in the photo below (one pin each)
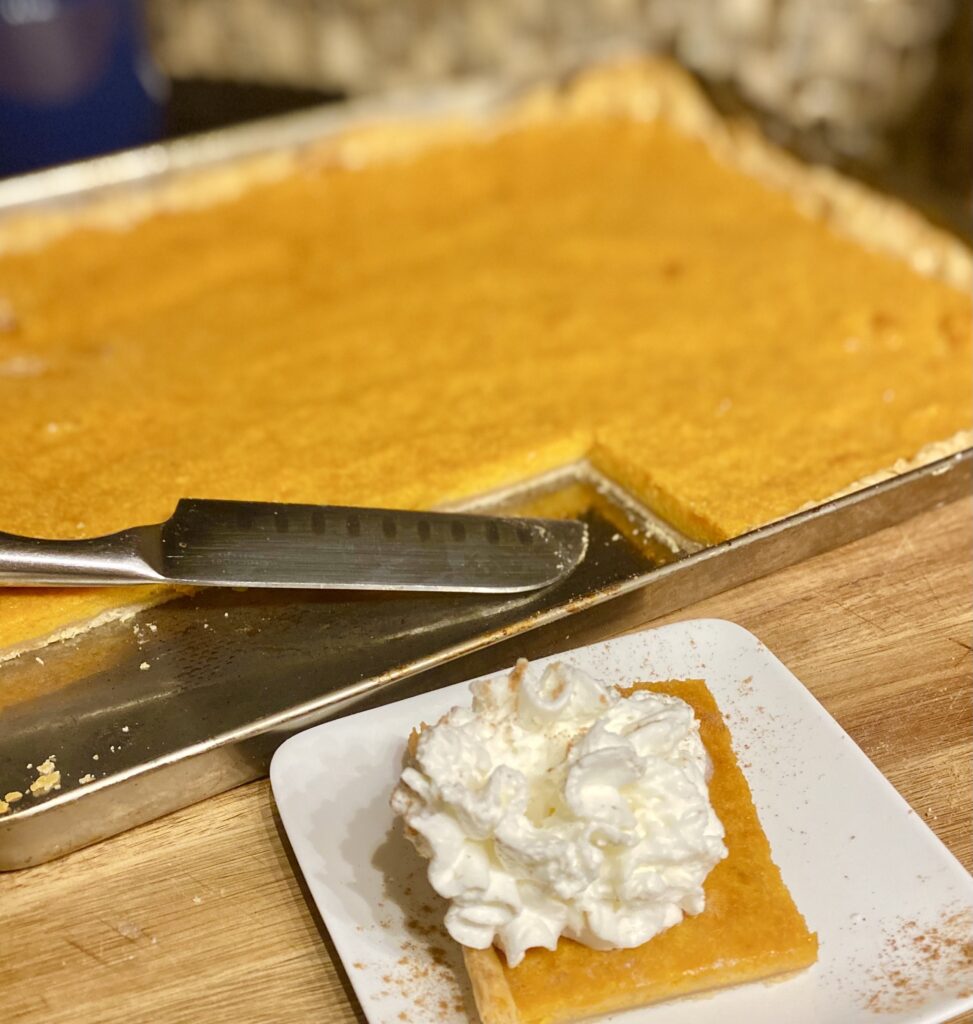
(881, 88)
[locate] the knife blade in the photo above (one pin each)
(262, 544)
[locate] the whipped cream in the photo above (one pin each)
(555, 806)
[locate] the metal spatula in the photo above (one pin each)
(258, 544)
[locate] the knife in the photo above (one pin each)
(263, 544)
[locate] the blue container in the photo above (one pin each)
(76, 79)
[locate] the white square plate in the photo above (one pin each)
(891, 905)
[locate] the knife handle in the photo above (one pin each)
(124, 557)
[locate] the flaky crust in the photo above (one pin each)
(494, 1000)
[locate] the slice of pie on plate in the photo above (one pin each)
(750, 929)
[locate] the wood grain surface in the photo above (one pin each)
(201, 917)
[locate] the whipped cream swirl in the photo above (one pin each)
(555, 806)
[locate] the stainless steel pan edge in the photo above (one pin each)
(81, 816)
(281, 134)
(472, 97)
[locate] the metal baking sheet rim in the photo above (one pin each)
(224, 761)
(476, 96)
(279, 135)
